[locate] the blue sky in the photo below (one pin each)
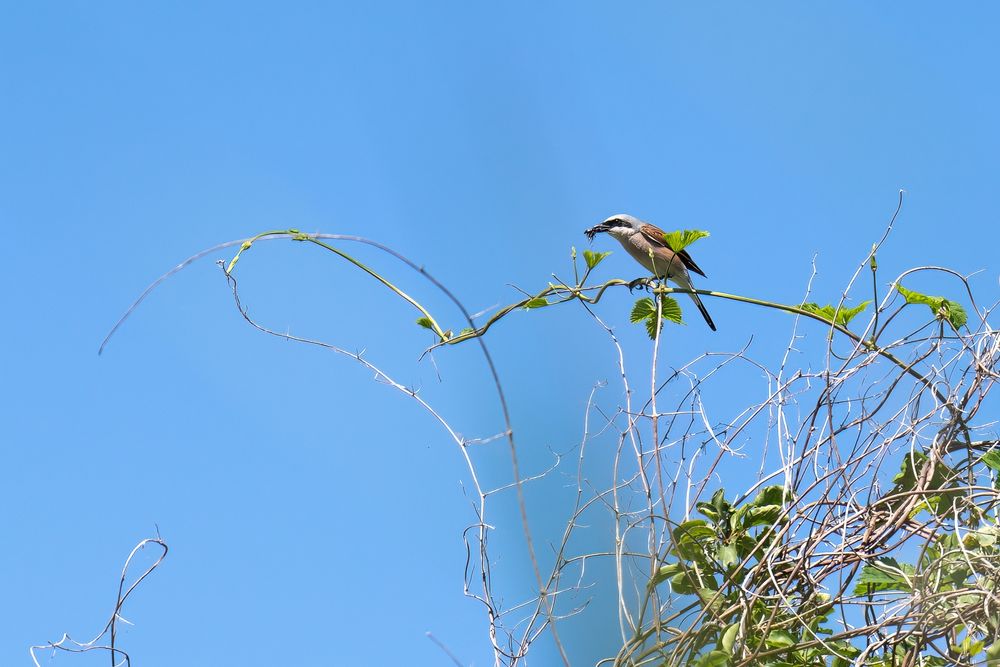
(314, 515)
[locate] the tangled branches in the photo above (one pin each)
(868, 535)
(110, 631)
(870, 540)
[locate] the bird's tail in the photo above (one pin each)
(684, 281)
(704, 311)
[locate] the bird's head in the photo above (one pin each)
(619, 225)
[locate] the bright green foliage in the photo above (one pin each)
(594, 258)
(540, 302)
(644, 310)
(682, 238)
(426, 323)
(842, 316)
(717, 558)
(941, 307)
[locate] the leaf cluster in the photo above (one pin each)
(717, 558)
(644, 311)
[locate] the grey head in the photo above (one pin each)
(620, 224)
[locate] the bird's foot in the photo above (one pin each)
(644, 283)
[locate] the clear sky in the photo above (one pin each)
(315, 516)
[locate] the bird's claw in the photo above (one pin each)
(644, 283)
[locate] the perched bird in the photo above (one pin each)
(647, 245)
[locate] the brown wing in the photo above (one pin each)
(655, 235)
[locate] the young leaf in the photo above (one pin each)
(941, 307)
(826, 312)
(955, 313)
(845, 315)
(540, 302)
(681, 239)
(916, 297)
(426, 323)
(651, 328)
(831, 314)
(670, 310)
(642, 309)
(594, 258)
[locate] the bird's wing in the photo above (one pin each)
(657, 237)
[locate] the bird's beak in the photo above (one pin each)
(597, 229)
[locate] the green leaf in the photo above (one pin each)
(692, 539)
(984, 537)
(644, 311)
(955, 314)
(680, 239)
(727, 556)
(466, 330)
(831, 314)
(683, 583)
(729, 638)
(671, 310)
(714, 659)
(906, 478)
(717, 507)
(539, 302)
(665, 572)
(847, 314)
(770, 495)
(594, 258)
(993, 651)
(765, 515)
(991, 459)
(844, 652)
(969, 647)
(886, 574)
(941, 307)
(779, 639)
(943, 479)
(426, 323)
(697, 527)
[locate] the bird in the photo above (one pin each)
(648, 246)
